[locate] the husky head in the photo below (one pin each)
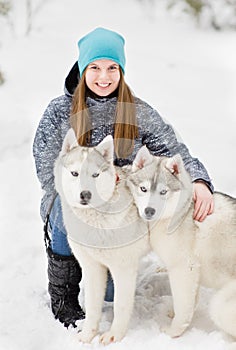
(161, 186)
(85, 176)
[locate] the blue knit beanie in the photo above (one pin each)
(99, 44)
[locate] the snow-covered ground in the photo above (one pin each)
(187, 74)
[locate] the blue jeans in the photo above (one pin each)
(60, 245)
(59, 242)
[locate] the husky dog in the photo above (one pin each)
(195, 253)
(104, 230)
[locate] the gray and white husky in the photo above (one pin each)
(195, 253)
(104, 230)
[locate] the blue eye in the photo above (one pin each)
(163, 192)
(74, 173)
(95, 175)
(143, 189)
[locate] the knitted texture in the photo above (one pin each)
(99, 44)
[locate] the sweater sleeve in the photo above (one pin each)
(46, 146)
(161, 140)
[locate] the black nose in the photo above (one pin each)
(149, 212)
(85, 196)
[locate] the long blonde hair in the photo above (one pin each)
(125, 128)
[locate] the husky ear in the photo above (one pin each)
(142, 159)
(175, 164)
(69, 142)
(106, 148)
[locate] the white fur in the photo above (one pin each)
(194, 253)
(107, 214)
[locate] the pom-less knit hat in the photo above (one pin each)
(99, 44)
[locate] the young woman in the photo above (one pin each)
(98, 102)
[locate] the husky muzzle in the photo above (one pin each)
(149, 212)
(85, 197)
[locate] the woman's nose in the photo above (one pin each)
(103, 73)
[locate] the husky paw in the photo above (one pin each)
(173, 332)
(86, 336)
(110, 337)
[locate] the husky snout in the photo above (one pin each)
(149, 212)
(85, 197)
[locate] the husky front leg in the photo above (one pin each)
(124, 282)
(95, 276)
(184, 282)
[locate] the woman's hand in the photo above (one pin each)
(203, 201)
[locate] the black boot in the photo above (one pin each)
(64, 275)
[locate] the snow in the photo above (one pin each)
(186, 73)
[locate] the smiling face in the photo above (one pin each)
(102, 77)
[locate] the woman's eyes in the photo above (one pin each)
(111, 68)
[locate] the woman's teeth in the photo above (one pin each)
(103, 85)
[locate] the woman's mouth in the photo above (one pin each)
(103, 85)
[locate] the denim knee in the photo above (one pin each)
(59, 242)
(109, 296)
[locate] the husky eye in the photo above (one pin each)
(74, 173)
(163, 192)
(95, 175)
(143, 189)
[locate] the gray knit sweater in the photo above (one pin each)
(157, 135)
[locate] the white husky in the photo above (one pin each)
(104, 230)
(194, 253)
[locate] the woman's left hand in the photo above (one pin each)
(203, 201)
